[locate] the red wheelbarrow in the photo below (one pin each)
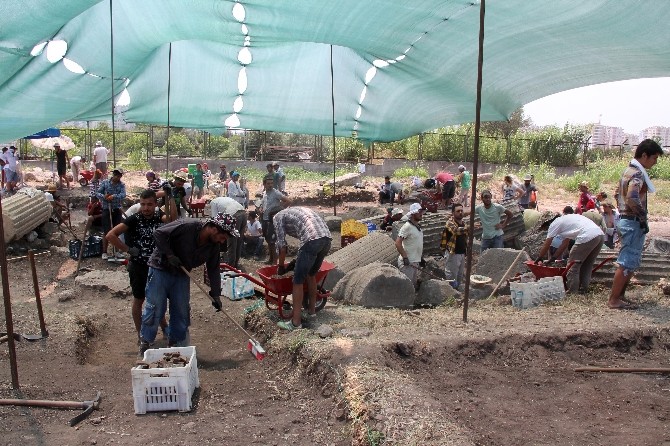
(86, 176)
(541, 271)
(277, 289)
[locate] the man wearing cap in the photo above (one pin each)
(529, 188)
(631, 196)
(463, 179)
(111, 193)
(272, 202)
(279, 177)
(187, 244)
(100, 158)
(611, 219)
(61, 165)
(409, 244)
(235, 190)
(226, 205)
(489, 215)
(11, 169)
(393, 215)
(315, 240)
(588, 238)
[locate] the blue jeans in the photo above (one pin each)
(309, 260)
(495, 242)
(632, 243)
(161, 288)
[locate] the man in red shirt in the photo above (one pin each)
(445, 181)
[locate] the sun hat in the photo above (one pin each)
(51, 188)
(98, 143)
(461, 167)
(396, 211)
(225, 223)
(527, 178)
(181, 176)
(415, 208)
(57, 145)
(584, 184)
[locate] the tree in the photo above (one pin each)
(506, 129)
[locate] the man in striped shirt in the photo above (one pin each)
(315, 239)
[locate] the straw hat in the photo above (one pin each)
(51, 188)
(182, 176)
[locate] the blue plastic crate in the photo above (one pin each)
(92, 247)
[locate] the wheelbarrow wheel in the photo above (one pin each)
(83, 182)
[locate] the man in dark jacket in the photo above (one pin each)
(187, 243)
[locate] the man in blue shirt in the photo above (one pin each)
(111, 193)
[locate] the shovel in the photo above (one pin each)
(4, 337)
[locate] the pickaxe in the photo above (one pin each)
(87, 406)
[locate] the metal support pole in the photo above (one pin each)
(111, 45)
(475, 160)
(9, 321)
(36, 286)
(332, 99)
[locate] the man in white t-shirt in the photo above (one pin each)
(11, 169)
(588, 238)
(77, 164)
(253, 237)
(410, 244)
(100, 158)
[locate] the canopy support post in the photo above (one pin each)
(475, 159)
(332, 99)
(167, 138)
(111, 45)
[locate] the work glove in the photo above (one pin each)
(644, 226)
(216, 302)
(290, 266)
(405, 261)
(174, 261)
(134, 251)
(422, 263)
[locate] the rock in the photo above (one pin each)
(188, 426)
(29, 176)
(494, 263)
(324, 331)
(333, 222)
(435, 292)
(349, 179)
(66, 295)
(377, 285)
(31, 236)
(356, 332)
(665, 286)
(434, 269)
(47, 229)
(504, 301)
(115, 282)
(40, 243)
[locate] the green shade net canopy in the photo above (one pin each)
(399, 67)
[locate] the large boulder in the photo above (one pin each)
(494, 263)
(114, 282)
(434, 292)
(377, 285)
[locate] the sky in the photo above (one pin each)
(632, 105)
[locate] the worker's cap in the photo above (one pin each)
(486, 192)
(57, 145)
(461, 167)
(181, 176)
(415, 208)
(396, 211)
(235, 174)
(527, 178)
(98, 143)
(584, 184)
(117, 172)
(225, 223)
(607, 202)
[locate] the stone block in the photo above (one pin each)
(377, 285)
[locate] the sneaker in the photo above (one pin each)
(120, 255)
(144, 346)
(307, 316)
(288, 325)
(105, 256)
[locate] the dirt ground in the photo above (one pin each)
(419, 377)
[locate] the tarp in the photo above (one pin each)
(51, 132)
(399, 67)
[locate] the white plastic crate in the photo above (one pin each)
(531, 294)
(163, 389)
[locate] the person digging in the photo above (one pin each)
(315, 240)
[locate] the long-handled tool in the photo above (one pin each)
(38, 299)
(87, 406)
(20, 337)
(89, 221)
(253, 345)
(507, 272)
